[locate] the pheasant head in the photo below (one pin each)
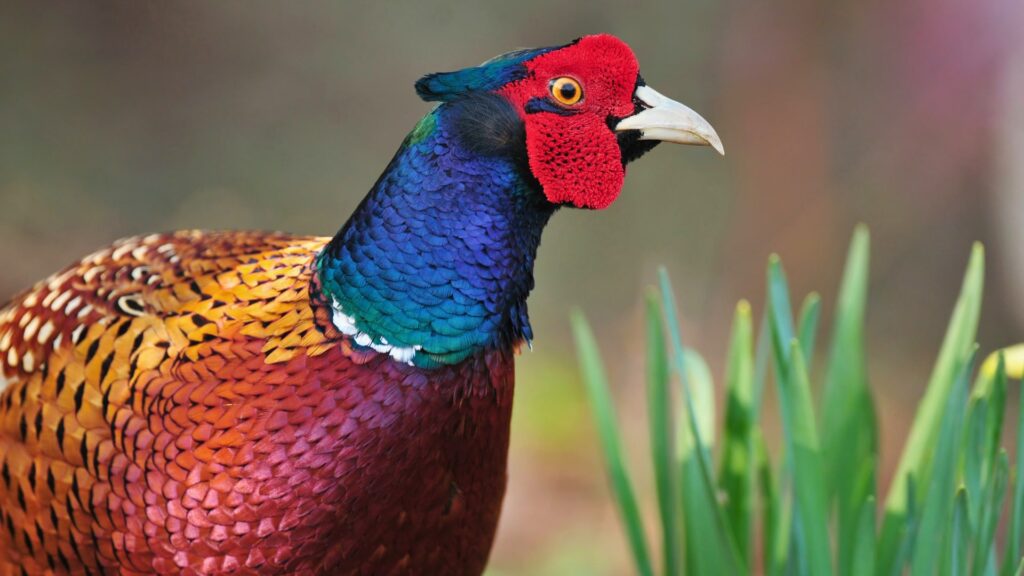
(576, 113)
(437, 262)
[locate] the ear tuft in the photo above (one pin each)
(447, 86)
(438, 87)
(487, 77)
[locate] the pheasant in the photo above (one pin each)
(257, 403)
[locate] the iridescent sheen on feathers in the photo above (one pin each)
(439, 256)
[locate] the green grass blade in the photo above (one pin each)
(862, 562)
(781, 314)
(604, 413)
(812, 504)
(956, 346)
(960, 536)
(786, 556)
(662, 430)
(702, 393)
(769, 503)
(736, 475)
(986, 414)
(997, 402)
(1015, 536)
(905, 535)
(974, 468)
(995, 491)
(710, 547)
(984, 430)
(762, 354)
(702, 424)
(788, 548)
(810, 311)
(849, 428)
(941, 490)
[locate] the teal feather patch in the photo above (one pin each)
(489, 76)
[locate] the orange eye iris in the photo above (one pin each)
(566, 90)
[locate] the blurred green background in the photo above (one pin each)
(118, 118)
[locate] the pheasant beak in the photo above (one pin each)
(669, 121)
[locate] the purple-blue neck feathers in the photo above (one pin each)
(437, 261)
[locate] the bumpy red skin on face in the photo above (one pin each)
(576, 157)
(178, 404)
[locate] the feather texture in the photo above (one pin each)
(178, 404)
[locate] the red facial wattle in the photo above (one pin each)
(573, 152)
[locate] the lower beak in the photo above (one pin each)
(669, 121)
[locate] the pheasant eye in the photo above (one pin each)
(566, 90)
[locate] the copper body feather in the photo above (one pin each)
(181, 404)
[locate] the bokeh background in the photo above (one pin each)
(118, 118)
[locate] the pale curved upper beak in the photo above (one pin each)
(669, 121)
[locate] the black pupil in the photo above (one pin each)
(567, 90)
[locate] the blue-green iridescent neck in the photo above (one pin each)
(437, 261)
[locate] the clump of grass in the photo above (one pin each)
(816, 508)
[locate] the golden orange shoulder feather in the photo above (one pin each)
(184, 286)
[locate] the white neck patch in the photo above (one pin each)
(347, 325)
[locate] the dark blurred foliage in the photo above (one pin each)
(119, 118)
